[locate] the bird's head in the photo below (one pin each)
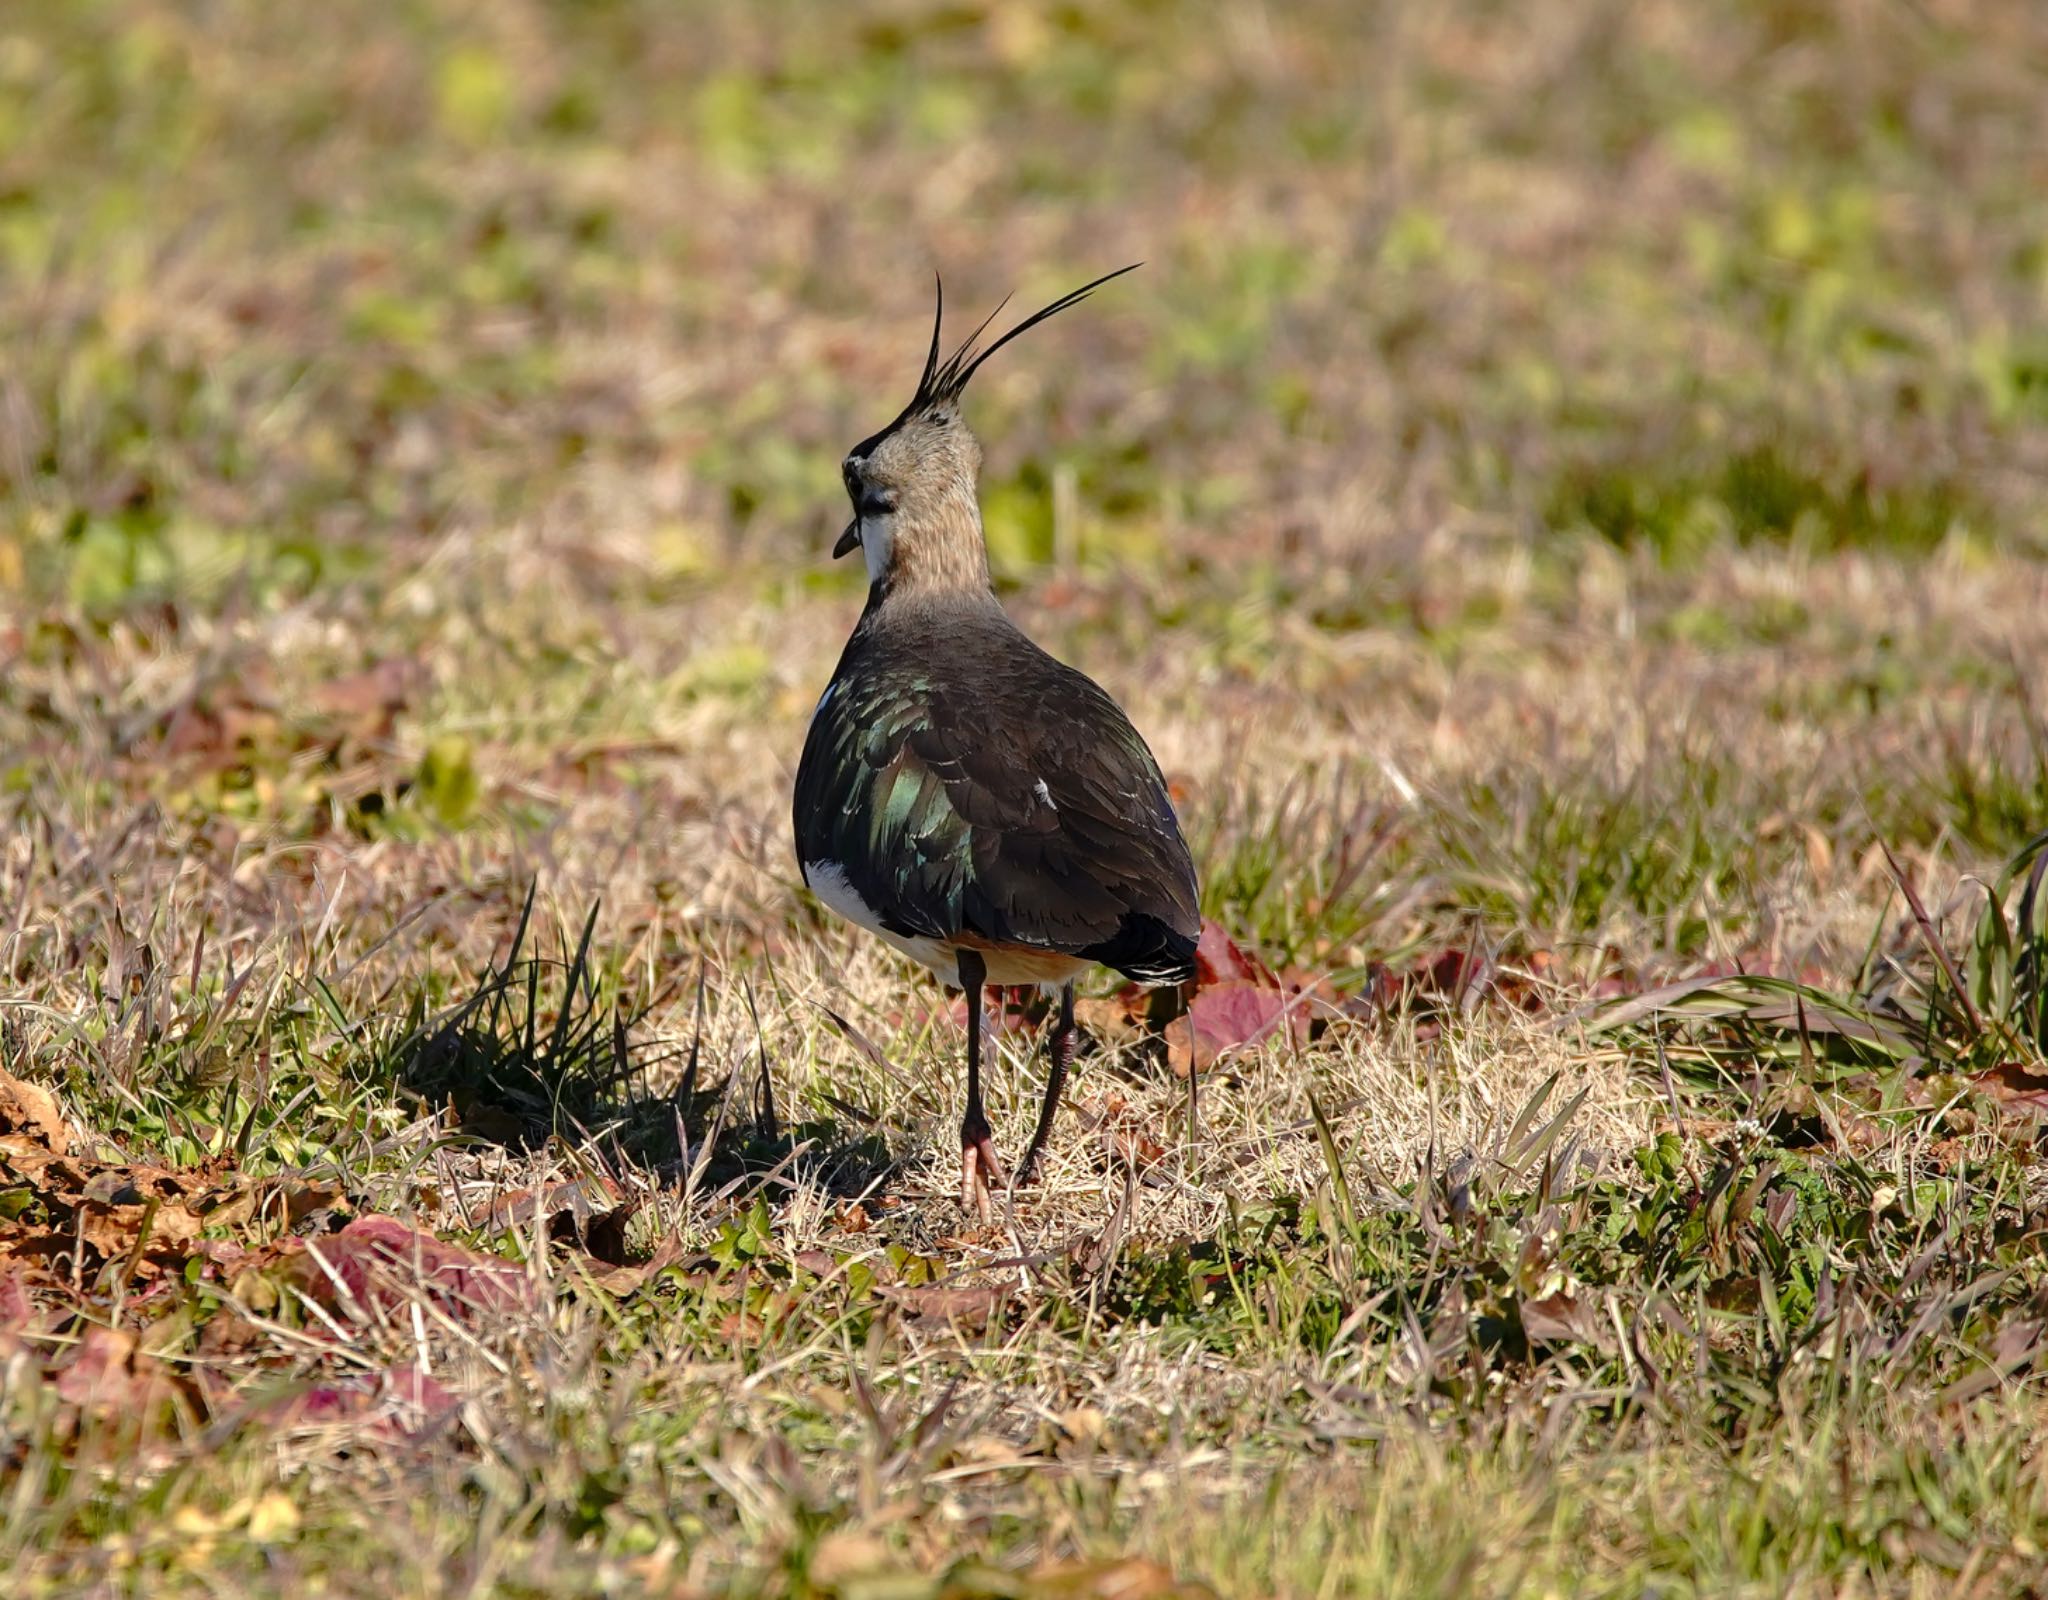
(916, 520)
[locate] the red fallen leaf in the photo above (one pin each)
(379, 1263)
(1013, 1008)
(1231, 1016)
(1458, 976)
(17, 1310)
(399, 1402)
(1219, 959)
(420, 1392)
(109, 1375)
(2015, 1084)
(369, 702)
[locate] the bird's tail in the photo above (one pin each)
(1147, 951)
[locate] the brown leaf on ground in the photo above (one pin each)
(1453, 980)
(1565, 1318)
(1120, 1578)
(590, 1212)
(218, 725)
(376, 1264)
(1121, 1125)
(2017, 1086)
(29, 1112)
(853, 1218)
(83, 1215)
(1137, 1147)
(1317, 992)
(846, 1553)
(1117, 1019)
(367, 704)
(970, 1307)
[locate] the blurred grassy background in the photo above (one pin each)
(290, 291)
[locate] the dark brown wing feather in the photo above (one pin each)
(967, 782)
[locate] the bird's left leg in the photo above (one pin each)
(1061, 1050)
(978, 1165)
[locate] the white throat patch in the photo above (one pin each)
(877, 544)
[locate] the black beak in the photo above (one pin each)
(848, 541)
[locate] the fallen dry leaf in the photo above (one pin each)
(107, 1374)
(2016, 1085)
(1116, 1019)
(366, 704)
(1220, 959)
(85, 1215)
(1120, 1578)
(1228, 1017)
(1565, 1318)
(591, 1212)
(216, 729)
(845, 1554)
(396, 1402)
(29, 1112)
(853, 1218)
(968, 1306)
(378, 1263)
(629, 1277)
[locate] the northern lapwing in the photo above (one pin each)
(986, 809)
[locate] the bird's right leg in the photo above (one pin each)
(1061, 1054)
(978, 1165)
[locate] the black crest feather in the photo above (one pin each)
(943, 382)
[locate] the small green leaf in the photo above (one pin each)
(447, 782)
(1988, 966)
(473, 94)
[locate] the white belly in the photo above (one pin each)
(830, 884)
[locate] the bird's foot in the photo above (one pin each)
(979, 1170)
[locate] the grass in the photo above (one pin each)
(1563, 499)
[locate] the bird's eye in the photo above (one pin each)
(875, 502)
